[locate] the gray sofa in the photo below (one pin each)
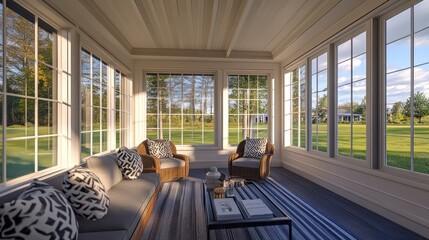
(131, 201)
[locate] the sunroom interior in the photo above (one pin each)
(339, 87)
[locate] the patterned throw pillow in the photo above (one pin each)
(40, 212)
(130, 163)
(255, 147)
(86, 193)
(159, 148)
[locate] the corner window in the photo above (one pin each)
(319, 103)
(248, 107)
(28, 95)
(351, 97)
(407, 96)
(180, 107)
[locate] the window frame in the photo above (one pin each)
(226, 101)
(382, 163)
(59, 100)
(368, 85)
(288, 105)
(215, 104)
(323, 50)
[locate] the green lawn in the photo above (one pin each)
(398, 144)
(20, 153)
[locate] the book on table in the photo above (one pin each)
(256, 208)
(226, 209)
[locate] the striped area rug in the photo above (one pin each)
(179, 214)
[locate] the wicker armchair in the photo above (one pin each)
(168, 168)
(250, 168)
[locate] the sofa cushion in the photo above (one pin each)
(86, 193)
(130, 163)
(171, 163)
(106, 168)
(255, 147)
(246, 162)
(128, 200)
(160, 148)
(40, 212)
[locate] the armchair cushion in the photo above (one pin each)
(255, 148)
(160, 148)
(171, 163)
(246, 162)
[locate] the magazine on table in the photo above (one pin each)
(256, 208)
(226, 209)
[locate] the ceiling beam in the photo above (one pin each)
(242, 14)
(212, 24)
(200, 53)
(92, 7)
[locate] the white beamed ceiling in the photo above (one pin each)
(213, 29)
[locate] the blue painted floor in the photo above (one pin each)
(358, 220)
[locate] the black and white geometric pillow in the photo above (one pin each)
(160, 148)
(255, 147)
(40, 212)
(86, 193)
(130, 163)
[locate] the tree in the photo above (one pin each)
(420, 106)
(322, 109)
(397, 112)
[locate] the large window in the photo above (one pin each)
(295, 106)
(28, 94)
(248, 107)
(180, 107)
(407, 92)
(319, 103)
(351, 97)
(94, 85)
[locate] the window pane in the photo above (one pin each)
(344, 51)
(47, 117)
(359, 67)
(20, 75)
(20, 115)
(421, 47)
(85, 78)
(96, 140)
(20, 158)
(85, 145)
(86, 118)
(398, 87)
(46, 77)
(421, 150)
(398, 26)
(47, 152)
(398, 55)
(45, 43)
(398, 146)
(359, 44)
(20, 36)
(344, 73)
(421, 17)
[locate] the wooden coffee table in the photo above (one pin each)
(249, 191)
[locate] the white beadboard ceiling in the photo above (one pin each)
(216, 29)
